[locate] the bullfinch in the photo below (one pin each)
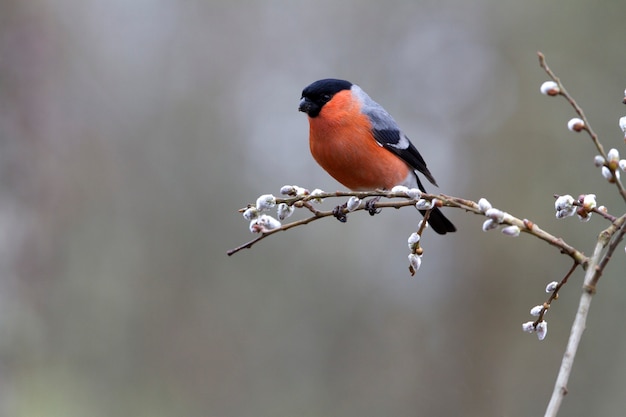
(360, 145)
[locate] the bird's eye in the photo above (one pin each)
(325, 97)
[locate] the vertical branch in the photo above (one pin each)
(560, 386)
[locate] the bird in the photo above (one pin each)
(359, 144)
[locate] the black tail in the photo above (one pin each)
(439, 222)
(436, 220)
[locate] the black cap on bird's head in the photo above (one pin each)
(319, 93)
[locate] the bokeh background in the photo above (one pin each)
(132, 131)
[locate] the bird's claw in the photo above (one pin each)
(339, 213)
(369, 206)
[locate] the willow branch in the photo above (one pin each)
(525, 225)
(579, 111)
(611, 237)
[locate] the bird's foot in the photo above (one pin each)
(369, 206)
(339, 213)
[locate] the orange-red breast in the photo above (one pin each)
(360, 145)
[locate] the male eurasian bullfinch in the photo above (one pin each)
(360, 145)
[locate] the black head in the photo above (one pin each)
(319, 93)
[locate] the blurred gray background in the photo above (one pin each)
(132, 131)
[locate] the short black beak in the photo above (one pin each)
(305, 105)
(308, 106)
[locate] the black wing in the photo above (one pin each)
(398, 143)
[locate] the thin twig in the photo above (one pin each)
(554, 294)
(579, 111)
(525, 226)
